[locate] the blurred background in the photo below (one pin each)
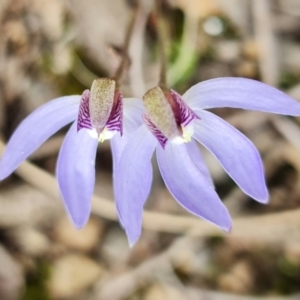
(58, 47)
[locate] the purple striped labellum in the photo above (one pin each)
(101, 110)
(168, 117)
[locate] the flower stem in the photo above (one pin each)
(161, 34)
(125, 56)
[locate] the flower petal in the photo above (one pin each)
(133, 180)
(76, 173)
(235, 152)
(117, 144)
(132, 120)
(240, 93)
(189, 187)
(197, 158)
(36, 129)
(133, 109)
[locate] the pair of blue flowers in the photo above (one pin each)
(164, 122)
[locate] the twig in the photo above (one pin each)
(266, 41)
(161, 34)
(195, 294)
(127, 283)
(81, 72)
(289, 129)
(136, 50)
(125, 56)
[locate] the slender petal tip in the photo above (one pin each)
(264, 198)
(79, 218)
(224, 221)
(238, 156)
(132, 181)
(228, 226)
(76, 174)
(189, 186)
(132, 239)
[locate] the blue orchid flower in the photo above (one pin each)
(173, 126)
(99, 114)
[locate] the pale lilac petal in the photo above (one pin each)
(133, 110)
(76, 174)
(189, 187)
(197, 158)
(36, 129)
(117, 144)
(240, 93)
(133, 180)
(235, 152)
(132, 120)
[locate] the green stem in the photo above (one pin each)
(188, 53)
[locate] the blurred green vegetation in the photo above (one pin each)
(36, 282)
